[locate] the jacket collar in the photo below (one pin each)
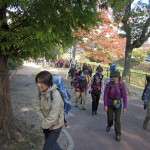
(46, 93)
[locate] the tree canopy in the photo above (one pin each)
(29, 27)
(102, 42)
(134, 20)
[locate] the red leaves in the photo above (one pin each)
(102, 43)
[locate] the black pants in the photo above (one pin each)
(95, 101)
(51, 137)
(114, 113)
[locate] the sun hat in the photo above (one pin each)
(115, 74)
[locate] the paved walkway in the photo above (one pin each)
(87, 131)
(23, 89)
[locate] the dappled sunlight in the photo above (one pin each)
(53, 70)
(33, 65)
(25, 109)
(139, 105)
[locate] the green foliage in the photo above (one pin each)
(138, 56)
(36, 27)
(13, 64)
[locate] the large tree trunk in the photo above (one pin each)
(126, 71)
(8, 129)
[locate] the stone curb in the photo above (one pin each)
(70, 140)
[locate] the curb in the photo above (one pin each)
(70, 140)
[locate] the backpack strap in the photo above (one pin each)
(120, 86)
(51, 95)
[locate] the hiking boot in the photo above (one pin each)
(108, 128)
(118, 138)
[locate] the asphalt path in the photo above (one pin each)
(89, 132)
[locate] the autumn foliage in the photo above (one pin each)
(102, 42)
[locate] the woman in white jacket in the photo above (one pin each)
(50, 110)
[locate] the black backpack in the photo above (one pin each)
(81, 84)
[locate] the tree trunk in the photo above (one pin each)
(8, 129)
(74, 52)
(126, 71)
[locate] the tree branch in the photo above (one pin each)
(144, 36)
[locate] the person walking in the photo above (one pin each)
(51, 112)
(90, 70)
(114, 93)
(99, 68)
(80, 86)
(146, 100)
(95, 91)
(71, 74)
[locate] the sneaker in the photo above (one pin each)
(118, 138)
(108, 128)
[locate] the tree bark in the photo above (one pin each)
(126, 71)
(8, 129)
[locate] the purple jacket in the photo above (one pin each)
(115, 92)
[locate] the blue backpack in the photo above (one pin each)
(63, 92)
(113, 67)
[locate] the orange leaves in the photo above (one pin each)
(102, 43)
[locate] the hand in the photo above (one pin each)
(145, 106)
(105, 108)
(124, 110)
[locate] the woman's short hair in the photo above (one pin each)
(44, 77)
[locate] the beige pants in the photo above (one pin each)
(80, 97)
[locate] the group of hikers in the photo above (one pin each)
(114, 93)
(50, 107)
